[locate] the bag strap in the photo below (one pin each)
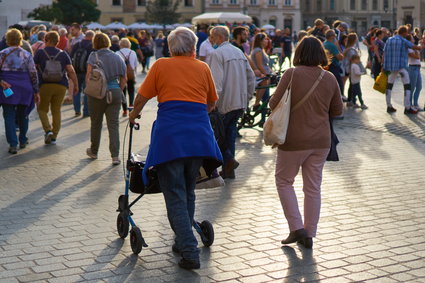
(301, 102)
(56, 56)
(4, 58)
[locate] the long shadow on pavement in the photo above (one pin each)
(302, 269)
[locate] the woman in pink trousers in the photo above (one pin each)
(308, 138)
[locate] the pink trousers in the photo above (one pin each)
(288, 164)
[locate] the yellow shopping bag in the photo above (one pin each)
(381, 82)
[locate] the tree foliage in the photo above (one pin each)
(162, 11)
(67, 12)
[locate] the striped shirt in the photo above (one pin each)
(396, 53)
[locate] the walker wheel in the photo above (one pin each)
(136, 240)
(122, 225)
(208, 231)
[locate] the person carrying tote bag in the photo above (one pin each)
(308, 137)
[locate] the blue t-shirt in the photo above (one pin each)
(287, 44)
(40, 59)
(333, 50)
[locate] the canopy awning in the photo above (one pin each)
(221, 18)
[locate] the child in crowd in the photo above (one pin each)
(356, 71)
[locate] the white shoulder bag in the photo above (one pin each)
(276, 126)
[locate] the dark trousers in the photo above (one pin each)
(14, 115)
(77, 98)
(356, 92)
(130, 90)
(230, 120)
(177, 180)
(336, 71)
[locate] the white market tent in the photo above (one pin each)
(95, 26)
(268, 27)
(139, 26)
(186, 25)
(116, 25)
(220, 18)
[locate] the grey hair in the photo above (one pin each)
(182, 41)
(115, 38)
(89, 33)
(222, 31)
(125, 43)
(41, 35)
(62, 31)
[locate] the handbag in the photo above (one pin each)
(276, 126)
(333, 153)
(381, 82)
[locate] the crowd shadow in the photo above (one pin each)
(44, 204)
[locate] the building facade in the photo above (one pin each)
(14, 11)
(279, 13)
(359, 14)
(131, 11)
(411, 12)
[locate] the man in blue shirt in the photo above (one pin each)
(396, 62)
(331, 46)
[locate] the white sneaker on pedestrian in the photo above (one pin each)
(364, 107)
(116, 161)
(91, 154)
(48, 137)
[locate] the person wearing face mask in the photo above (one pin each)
(235, 82)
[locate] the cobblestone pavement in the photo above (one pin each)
(57, 210)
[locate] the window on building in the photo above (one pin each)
(253, 2)
(233, 2)
(187, 3)
(215, 2)
(272, 21)
(364, 4)
(116, 2)
(375, 5)
(113, 20)
(332, 4)
(386, 4)
(352, 4)
(288, 2)
(141, 2)
(319, 5)
(272, 2)
(386, 24)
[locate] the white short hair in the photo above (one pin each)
(222, 31)
(125, 43)
(182, 41)
(63, 31)
(115, 38)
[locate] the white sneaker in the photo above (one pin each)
(364, 107)
(48, 137)
(116, 161)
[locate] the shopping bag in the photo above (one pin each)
(381, 82)
(276, 125)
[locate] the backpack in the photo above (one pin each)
(96, 84)
(79, 60)
(130, 71)
(53, 71)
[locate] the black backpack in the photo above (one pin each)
(79, 60)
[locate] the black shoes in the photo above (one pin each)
(391, 109)
(13, 150)
(176, 249)
(306, 242)
(410, 111)
(295, 236)
(189, 264)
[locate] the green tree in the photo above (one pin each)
(162, 12)
(67, 12)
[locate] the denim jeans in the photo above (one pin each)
(15, 115)
(415, 83)
(177, 180)
(356, 93)
(77, 98)
(336, 71)
(230, 120)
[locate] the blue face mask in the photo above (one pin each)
(215, 46)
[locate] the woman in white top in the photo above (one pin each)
(130, 59)
(414, 74)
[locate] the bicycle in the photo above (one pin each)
(252, 118)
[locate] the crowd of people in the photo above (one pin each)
(40, 67)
